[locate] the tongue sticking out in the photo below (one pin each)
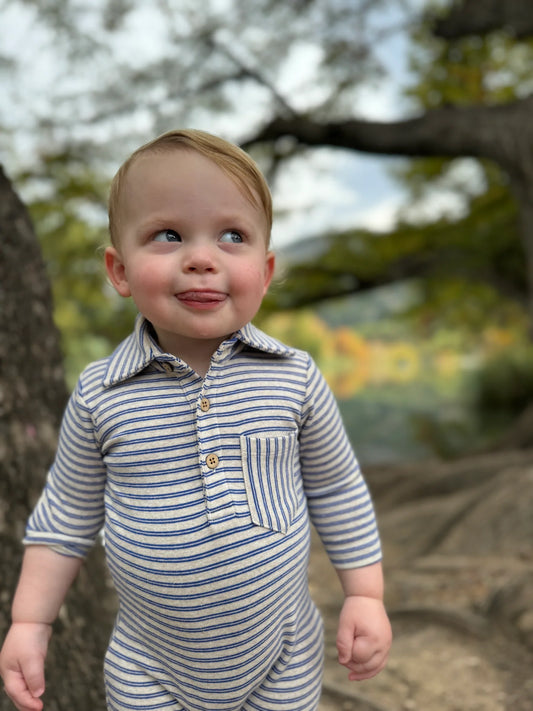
(202, 297)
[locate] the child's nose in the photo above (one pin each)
(199, 259)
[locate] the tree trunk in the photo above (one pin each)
(32, 397)
(524, 193)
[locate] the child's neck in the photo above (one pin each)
(197, 353)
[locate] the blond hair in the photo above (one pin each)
(230, 158)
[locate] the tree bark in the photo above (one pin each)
(32, 397)
(523, 189)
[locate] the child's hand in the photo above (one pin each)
(22, 663)
(364, 637)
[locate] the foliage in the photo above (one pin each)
(444, 393)
(68, 211)
(465, 263)
(143, 68)
(472, 70)
(503, 388)
(496, 394)
(488, 276)
(112, 74)
(354, 362)
(460, 270)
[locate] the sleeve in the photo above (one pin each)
(70, 511)
(338, 498)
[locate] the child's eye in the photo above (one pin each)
(231, 237)
(167, 236)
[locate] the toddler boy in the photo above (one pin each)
(203, 448)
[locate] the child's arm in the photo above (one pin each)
(44, 581)
(364, 636)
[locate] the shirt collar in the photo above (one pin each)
(140, 349)
(252, 336)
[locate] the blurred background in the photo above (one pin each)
(403, 266)
(396, 136)
(402, 269)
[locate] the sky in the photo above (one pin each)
(326, 189)
(331, 189)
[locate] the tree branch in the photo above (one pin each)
(478, 17)
(309, 284)
(502, 133)
(247, 71)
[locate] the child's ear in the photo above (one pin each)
(116, 271)
(270, 264)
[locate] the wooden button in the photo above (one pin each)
(204, 404)
(212, 461)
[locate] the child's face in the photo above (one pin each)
(192, 250)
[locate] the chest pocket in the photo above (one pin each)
(269, 470)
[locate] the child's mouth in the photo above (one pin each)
(201, 298)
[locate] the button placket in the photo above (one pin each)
(218, 500)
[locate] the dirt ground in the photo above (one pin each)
(458, 554)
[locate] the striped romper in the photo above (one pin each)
(204, 489)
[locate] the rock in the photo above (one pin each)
(458, 543)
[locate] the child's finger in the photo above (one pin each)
(345, 643)
(359, 649)
(361, 671)
(363, 649)
(33, 673)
